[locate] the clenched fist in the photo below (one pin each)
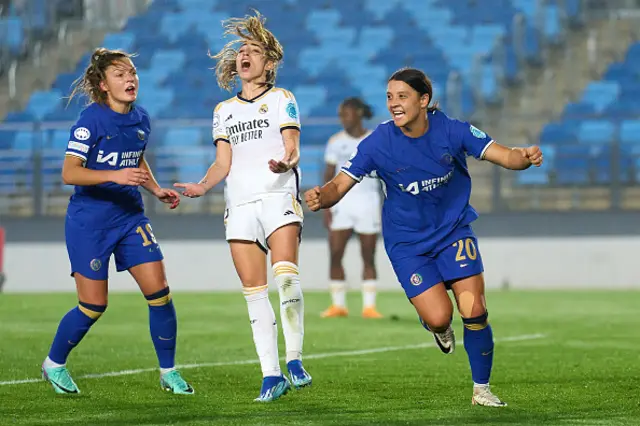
(533, 154)
(312, 198)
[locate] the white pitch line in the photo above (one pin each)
(255, 361)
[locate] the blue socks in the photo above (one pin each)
(478, 342)
(73, 327)
(163, 326)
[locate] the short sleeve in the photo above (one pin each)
(330, 154)
(82, 138)
(288, 113)
(472, 140)
(219, 131)
(362, 162)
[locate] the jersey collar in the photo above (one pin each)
(250, 101)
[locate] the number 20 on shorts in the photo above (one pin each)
(147, 240)
(466, 250)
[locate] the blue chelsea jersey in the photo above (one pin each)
(427, 182)
(107, 140)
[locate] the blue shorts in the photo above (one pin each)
(457, 260)
(90, 249)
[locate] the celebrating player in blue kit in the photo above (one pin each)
(105, 161)
(420, 156)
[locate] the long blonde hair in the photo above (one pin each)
(247, 29)
(89, 82)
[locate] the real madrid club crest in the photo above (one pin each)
(141, 134)
(263, 109)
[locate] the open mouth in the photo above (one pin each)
(397, 114)
(245, 65)
(131, 90)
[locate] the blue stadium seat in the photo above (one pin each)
(557, 133)
(191, 171)
(630, 132)
(183, 136)
(596, 132)
(600, 94)
(15, 37)
(41, 103)
(309, 97)
(197, 5)
(123, 41)
(313, 60)
(572, 171)
(320, 21)
(552, 27)
(489, 86)
(381, 8)
(578, 110)
(155, 100)
(170, 60)
(533, 176)
(58, 141)
(24, 140)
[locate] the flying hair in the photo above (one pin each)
(251, 28)
(89, 82)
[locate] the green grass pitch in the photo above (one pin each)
(561, 358)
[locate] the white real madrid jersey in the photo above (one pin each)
(340, 149)
(253, 128)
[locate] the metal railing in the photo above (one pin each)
(30, 181)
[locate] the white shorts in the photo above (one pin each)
(361, 214)
(256, 220)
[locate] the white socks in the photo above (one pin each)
(369, 293)
(265, 330)
(339, 293)
(338, 290)
(291, 307)
(48, 363)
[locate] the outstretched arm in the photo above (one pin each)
(330, 193)
(167, 196)
(215, 174)
(514, 158)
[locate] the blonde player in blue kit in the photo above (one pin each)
(420, 156)
(105, 162)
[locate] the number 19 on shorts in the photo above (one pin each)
(466, 250)
(147, 235)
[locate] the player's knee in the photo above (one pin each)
(476, 323)
(438, 320)
(438, 324)
(470, 304)
(336, 259)
(368, 261)
(92, 311)
(159, 298)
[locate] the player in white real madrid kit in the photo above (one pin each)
(358, 211)
(257, 135)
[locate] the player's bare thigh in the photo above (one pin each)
(250, 262)
(150, 276)
(93, 292)
(434, 307)
(284, 243)
(469, 294)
